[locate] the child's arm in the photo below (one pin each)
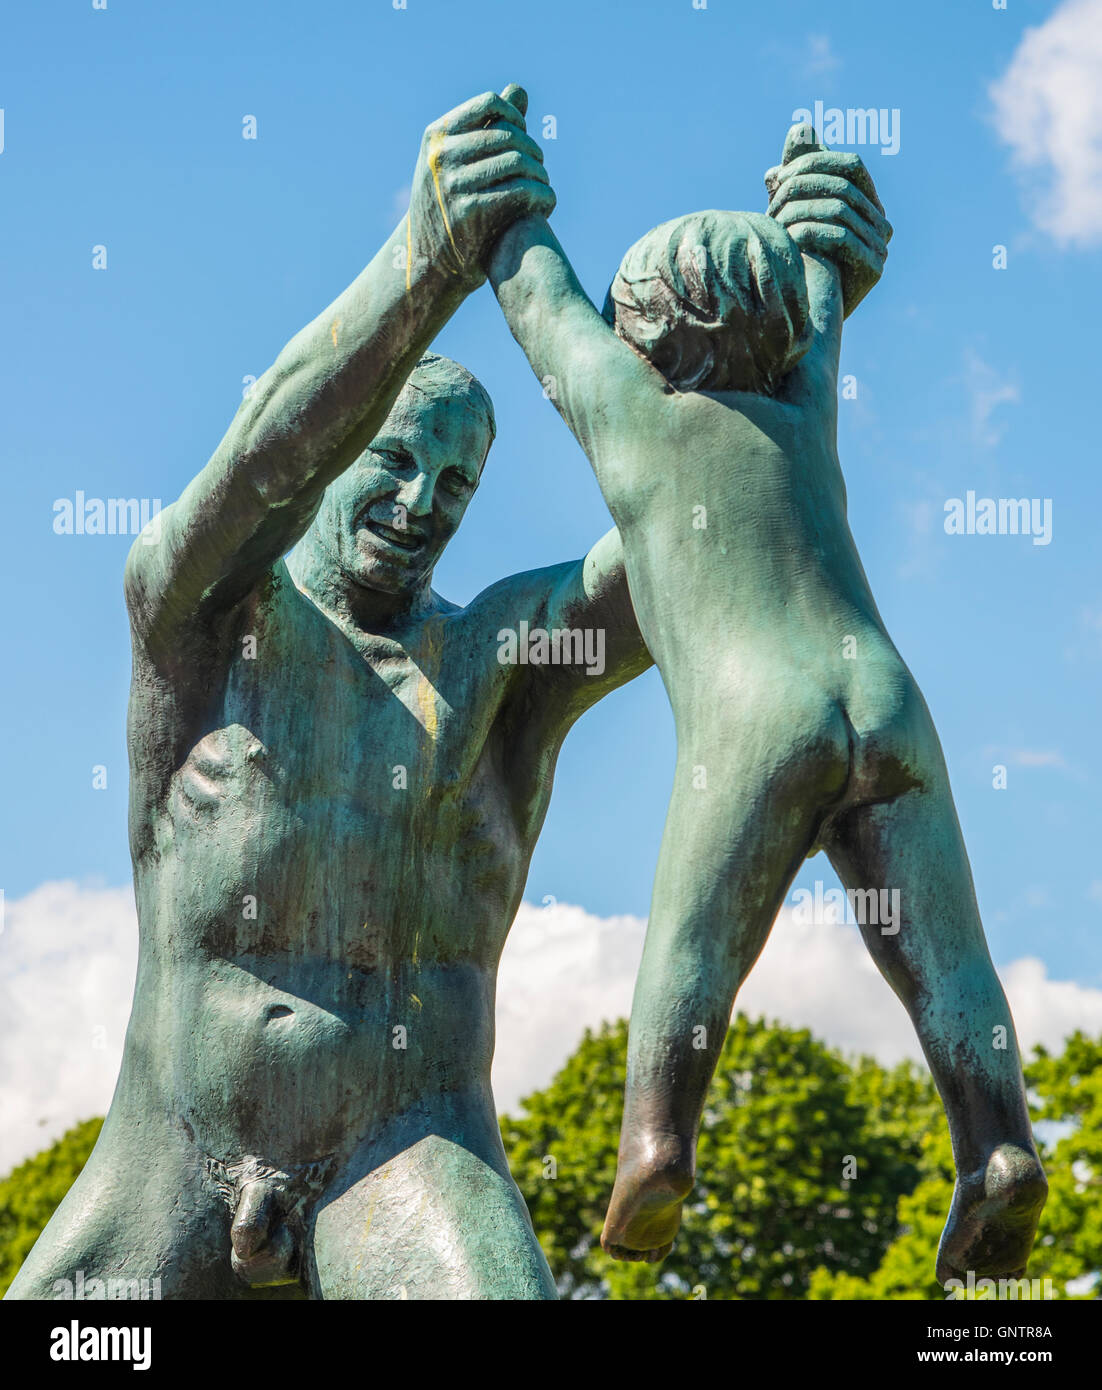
(592, 378)
(583, 365)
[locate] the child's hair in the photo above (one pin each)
(717, 301)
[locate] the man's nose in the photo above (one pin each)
(415, 494)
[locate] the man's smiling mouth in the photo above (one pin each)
(405, 540)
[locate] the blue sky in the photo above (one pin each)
(122, 128)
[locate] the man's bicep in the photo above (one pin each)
(567, 635)
(592, 603)
(209, 548)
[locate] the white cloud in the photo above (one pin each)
(815, 58)
(919, 520)
(1046, 1011)
(819, 57)
(921, 516)
(67, 959)
(565, 969)
(986, 393)
(68, 953)
(1029, 757)
(1048, 109)
(399, 203)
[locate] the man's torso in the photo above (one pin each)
(331, 838)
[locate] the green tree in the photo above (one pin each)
(803, 1158)
(1066, 1094)
(29, 1194)
(774, 1214)
(907, 1268)
(1069, 1097)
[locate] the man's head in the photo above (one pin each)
(717, 301)
(385, 521)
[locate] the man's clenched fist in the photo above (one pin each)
(478, 172)
(827, 201)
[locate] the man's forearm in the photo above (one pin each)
(305, 421)
(330, 389)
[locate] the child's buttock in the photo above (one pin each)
(895, 745)
(830, 736)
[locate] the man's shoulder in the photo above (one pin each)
(527, 595)
(177, 639)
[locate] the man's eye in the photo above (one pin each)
(457, 483)
(394, 458)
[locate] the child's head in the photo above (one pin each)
(717, 301)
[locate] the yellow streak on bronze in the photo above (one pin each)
(436, 140)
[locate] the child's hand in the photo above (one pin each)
(827, 202)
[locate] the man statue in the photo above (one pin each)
(336, 789)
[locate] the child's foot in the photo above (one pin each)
(994, 1217)
(653, 1178)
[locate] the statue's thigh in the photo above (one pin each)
(124, 1220)
(435, 1221)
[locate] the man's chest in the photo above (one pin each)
(388, 726)
(365, 789)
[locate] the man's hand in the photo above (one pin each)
(827, 202)
(478, 172)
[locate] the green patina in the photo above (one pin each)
(706, 399)
(337, 783)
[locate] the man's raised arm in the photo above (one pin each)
(327, 394)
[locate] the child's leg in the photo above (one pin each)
(938, 964)
(729, 852)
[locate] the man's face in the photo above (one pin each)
(387, 519)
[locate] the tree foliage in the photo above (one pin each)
(818, 1177)
(803, 1159)
(29, 1194)
(1066, 1105)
